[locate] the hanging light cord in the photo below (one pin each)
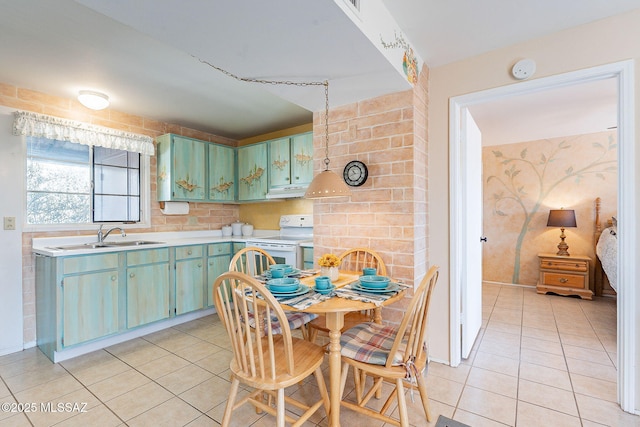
(290, 83)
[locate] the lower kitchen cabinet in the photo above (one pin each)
(307, 257)
(218, 259)
(81, 295)
(147, 286)
(189, 279)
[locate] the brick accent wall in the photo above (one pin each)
(389, 212)
(202, 216)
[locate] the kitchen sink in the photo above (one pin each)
(98, 245)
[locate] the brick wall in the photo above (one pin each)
(388, 213)
(202, 216)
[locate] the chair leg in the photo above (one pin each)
(230, 402)
(280, 421)
(402, 403)
(312, 334)
(323, 390)
(422, 387)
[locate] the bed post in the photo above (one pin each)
(598, 272)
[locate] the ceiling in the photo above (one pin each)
(146, 54)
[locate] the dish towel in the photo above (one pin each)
(349, 292)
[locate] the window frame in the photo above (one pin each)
(145, 201)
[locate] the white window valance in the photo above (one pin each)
(40, 125)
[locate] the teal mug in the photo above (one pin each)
(323, 282)
(369, 271)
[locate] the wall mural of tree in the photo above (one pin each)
(530, 176)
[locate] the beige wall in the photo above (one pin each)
(602, 42)
(202, 216)
(553, 173)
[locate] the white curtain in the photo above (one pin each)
(39, 125)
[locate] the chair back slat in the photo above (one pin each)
(251, 261)
(412, 331)
(358, 258)
(255, 349)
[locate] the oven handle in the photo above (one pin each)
(273, 246)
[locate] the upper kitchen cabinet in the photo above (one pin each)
(181, 168)
(252, 172)
(290, 165)
(222, 172)
(302, 159)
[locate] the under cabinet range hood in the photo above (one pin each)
(289, 192)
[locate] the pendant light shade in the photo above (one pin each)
(93, 100)
(327, 184)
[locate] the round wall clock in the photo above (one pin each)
(355, 173)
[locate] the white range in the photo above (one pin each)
(284, 247)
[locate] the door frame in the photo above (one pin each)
(623, 72)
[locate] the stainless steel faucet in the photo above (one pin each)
(102, 236)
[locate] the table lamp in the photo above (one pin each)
(562, 218)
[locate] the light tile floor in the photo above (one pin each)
(540, 360)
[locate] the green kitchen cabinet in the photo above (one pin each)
(221, 173)
(307, 257)
(291, 161)
(302, 158)
(218, 259)
(181, 168)
(77, 300)
(189, 278)
(148, 287)
(252, 172)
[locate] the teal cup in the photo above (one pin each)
(323, 282)
(277, 273)
(369, 271)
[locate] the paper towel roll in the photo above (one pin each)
(175, 208)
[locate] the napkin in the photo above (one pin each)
(305, 300)
(349, 292)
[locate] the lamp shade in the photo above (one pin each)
(93, 100)
(562, 218)
(327, 184)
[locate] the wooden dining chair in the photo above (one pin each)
(393, 353)
(253, 262)
(267, 362)
(352, 260)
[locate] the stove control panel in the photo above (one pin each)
(295, 221)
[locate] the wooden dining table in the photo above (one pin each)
(334, 310)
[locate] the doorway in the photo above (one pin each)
(463, 230)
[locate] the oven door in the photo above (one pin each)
(281, 253)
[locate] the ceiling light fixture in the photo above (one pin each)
(93, 100)
(327, 183)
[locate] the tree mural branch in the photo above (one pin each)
(517, 191)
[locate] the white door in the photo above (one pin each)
(471, 272)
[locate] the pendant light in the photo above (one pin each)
(326, 184)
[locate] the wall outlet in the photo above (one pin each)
(9, 222)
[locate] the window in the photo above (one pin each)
(69, 183)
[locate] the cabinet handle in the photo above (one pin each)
(563, 280)
(114, 278)
(199, 264)
(189, 252)
(132, 275)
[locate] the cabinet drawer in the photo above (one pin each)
(84, 263)
(219, 249)
(568, 265)
(186, 252)
(566, 280)
(147, 256)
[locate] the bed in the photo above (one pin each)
(606, 249)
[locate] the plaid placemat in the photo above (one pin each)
(349, 292)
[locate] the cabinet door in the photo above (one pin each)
(279, 162)
(252, 172)
(189, 285)
(89, 306)
(188, 169)
(147, 294)
(221, 173)
(215, 267)
(302, 158)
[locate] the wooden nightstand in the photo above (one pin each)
(564, 275)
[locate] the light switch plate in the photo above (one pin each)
(9, 222)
